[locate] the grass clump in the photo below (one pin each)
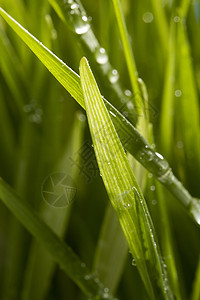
(51, 161)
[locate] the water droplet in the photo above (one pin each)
(152, 188)
(179, 144)
(133, 262)
(147, 17)
(83, 265)
(154, 202)
(112, 113)
(87, 277)
(159, 155)
(113, 75)
(127, 205)
(27, 108)
(85, 18)
(177, 19)
(125, 113)
(35, 118)
(74, 6)
(130, 105)
(150, 175)
(82, 28)
(81, 117)
(54, 34)
(178, 93)
(101, 56)
(128, 93)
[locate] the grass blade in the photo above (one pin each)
(40, 266)
(59, 251)
(122, 189)
(196, 286)
(111, 251)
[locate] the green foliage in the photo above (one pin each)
(146, 247)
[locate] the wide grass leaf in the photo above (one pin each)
(123, 190)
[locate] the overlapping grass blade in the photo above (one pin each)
(40, 266)
(59, 251)
(167, 113)
(111, 251)
(74, 15)
(130, 137)
(123, 190)
(196, 286)
(188, 106)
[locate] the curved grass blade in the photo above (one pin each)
(130, 61)
(196, 286)
(73, 14)
(111, 251)
(188, 106)
(40, 266)
(123, 190)
(59, 251)
(129, 136)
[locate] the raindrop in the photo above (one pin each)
(147, 17)
(128, 93)
(27, 108)
(127, 205)
(125, 113)
(85, 18)
(83, 265)
(130, 105)
(113, 75)
(179, 144)
(153, 188)
(177, 19)
(154, 202)
(114, 115)
(133, 262)
(35, 118)
(81, 117)
(82, 28)
(74, 6)
(178, 93)
(150, 175)
(159, 155)
(101, 56)
(54, 34)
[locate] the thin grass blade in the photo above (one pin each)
(123, 190)
(60, 252)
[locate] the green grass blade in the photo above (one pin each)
(60, 252)
(167, 112)
(130, 61)
(196, 286)
(75, 17)
(40, 266)
(111, 251)
(57, 67)
(188, 106)
(122, 189)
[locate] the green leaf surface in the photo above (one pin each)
(40, 266)
(123, 190)
(130, 137)
(59, 251)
